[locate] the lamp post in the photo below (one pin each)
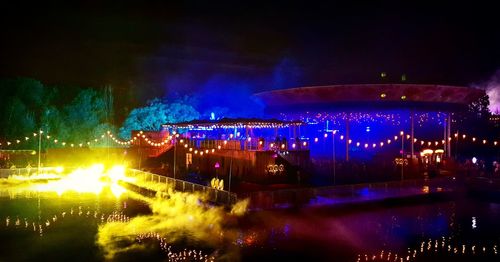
(175, 146)
(39, 149)
(402, 154)
(217, 165)
(333, 153)
(230, 171)
(334, 164)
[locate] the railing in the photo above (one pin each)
(239, 143)
(4, 173)
(162, 184)
(149, 181)
(345, 193)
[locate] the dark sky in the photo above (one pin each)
(148, 48)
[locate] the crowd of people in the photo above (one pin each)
(476, 167)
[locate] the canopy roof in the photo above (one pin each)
(368, 96)
(233, 123)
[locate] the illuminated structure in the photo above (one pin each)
(371, 116)
(399, 105)
(388, 120)
(252, 150)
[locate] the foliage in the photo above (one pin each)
(156, 113)
(85, 117)
(22, 105)
(27, 106)
(475, 120)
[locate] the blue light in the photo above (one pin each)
(367, 129)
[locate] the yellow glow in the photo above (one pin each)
(117, 190)
(427, 151)
(59, 169)
(86, 180)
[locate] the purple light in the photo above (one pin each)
(217, 165)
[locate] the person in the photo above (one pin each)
(28, 168)
(482, 168)
(468, 167)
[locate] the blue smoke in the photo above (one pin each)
(230, 94)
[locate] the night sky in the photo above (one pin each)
(148, 48)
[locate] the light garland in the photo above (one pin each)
(395, 119)
(440, 247)
(169, 141)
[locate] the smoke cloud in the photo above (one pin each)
(175, 218)
(492, 88)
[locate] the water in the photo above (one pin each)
(69, 226)
(344, 234)
(45, 226)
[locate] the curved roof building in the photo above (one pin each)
(370, 96)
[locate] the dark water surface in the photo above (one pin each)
(346, 233)
(47, 227)
(69, 226)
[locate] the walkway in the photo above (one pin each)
(348, 194)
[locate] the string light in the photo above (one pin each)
(167, 141)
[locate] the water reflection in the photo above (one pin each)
(183, 227)
(351, 233)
